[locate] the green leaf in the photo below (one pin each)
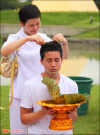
(54, 91)
(53, 87)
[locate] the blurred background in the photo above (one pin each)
(79, 22)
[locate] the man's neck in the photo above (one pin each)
(56, 77)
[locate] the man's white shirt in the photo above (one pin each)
(34, 90)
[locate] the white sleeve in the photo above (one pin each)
(26, 98)
(70, 84)
(11, 38)
(45, 37)
(76, 89)
(48, 39)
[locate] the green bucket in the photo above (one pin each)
(84, 86)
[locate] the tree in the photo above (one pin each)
(97, 2)
(12, 4)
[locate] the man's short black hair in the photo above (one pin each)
(28, 12)
(50, 46)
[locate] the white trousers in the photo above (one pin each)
(16, 127)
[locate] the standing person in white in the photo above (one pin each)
(33, 90)
(28, 56)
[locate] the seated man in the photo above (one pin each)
(33, 90)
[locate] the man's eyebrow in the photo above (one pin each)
(51, 58)
(48, 58)
(38, 22)
(57, 58)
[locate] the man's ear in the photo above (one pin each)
(62, 59)
(21, 24)
(41, 61)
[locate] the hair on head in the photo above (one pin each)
(28, 12)
(50, 46)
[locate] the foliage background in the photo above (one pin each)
(12, 4)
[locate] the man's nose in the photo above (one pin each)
(53, 63)
(35, 27)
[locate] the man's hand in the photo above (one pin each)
(28, 117)
(73, 114)
(74, 109)
(60, 38)
(48, 111)
(36, 38)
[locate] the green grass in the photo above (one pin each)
(90, 34)
(89, 123)
(52, 18)
(85, 124)
(4, 118)
(9, 16)
(73, 19)
(86, 23)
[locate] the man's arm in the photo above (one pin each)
(11, 47)
(60, 38)
(73, 114)
(28, 117)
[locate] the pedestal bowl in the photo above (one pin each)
(60, 120)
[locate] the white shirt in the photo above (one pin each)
(34, 90)
(29, 60)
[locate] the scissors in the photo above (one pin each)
(43, 42)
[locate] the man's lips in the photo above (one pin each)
(53, 70)
(34, 31)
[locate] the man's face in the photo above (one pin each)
(52, 63)
(32, 26)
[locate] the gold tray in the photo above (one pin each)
(61, 120)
